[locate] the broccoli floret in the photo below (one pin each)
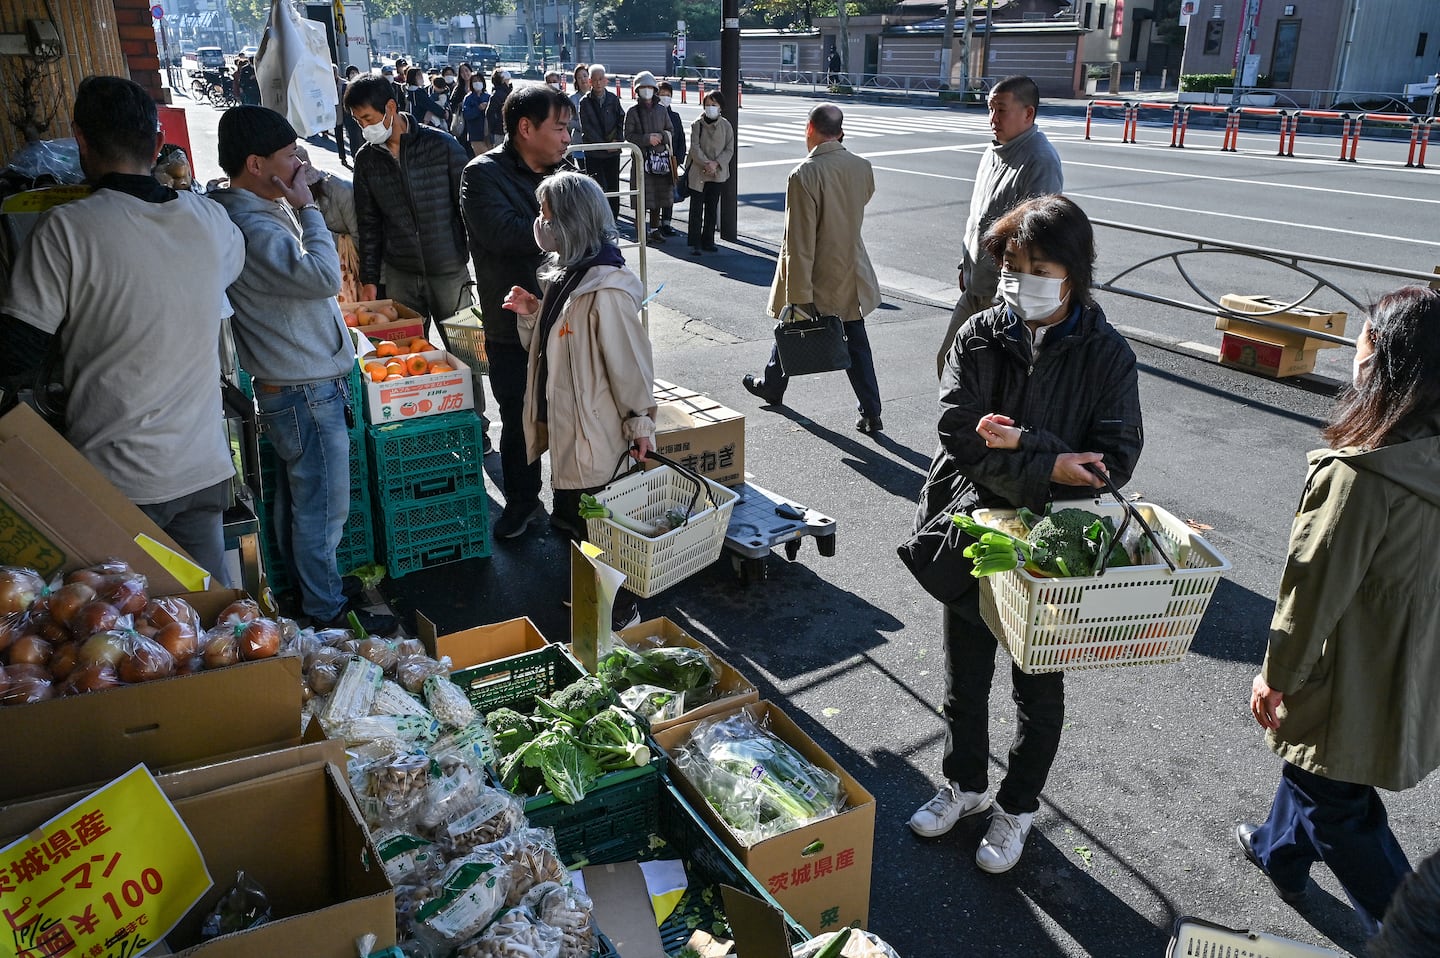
(1066, 542)
(511, 729)
(579, 701)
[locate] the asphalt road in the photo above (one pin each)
(1157, 763)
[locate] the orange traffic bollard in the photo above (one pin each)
(1424, 143)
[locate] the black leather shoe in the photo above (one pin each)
(756, 388)
(1293, 897)
(869, 425)
(694, 251)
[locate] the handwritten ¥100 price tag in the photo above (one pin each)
(107, 878)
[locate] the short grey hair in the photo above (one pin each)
(580, 219)
(597, 68)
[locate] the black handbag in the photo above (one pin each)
(814, 345)
(935, 556)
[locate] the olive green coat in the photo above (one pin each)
(1355, 641)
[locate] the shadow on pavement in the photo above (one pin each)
(1229, 631)
(875, 459)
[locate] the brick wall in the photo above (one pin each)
(137, 43)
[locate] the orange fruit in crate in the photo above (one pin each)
(416, 366)
(376, 371)
(394, 376)
(438, 367)
(386, 348)
(420, 345)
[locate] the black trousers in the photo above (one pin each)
(861, 372)
(508, 362)
(605, 170)
(704, 207)
(1039, 713)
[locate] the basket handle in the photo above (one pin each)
(693, 477)
(1130, 511)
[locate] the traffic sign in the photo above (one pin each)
(158, 12)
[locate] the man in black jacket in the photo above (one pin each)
(602, 120)
(497, 196)
(407, 189)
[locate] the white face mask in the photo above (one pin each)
(555, 86)
(646, 93)
(376, 132)
(711, 112)
(450, 81)
(664, 101)
(1030, 297)
(544, 236)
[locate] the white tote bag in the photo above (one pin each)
(296, 77)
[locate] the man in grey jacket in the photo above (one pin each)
(1018, 164)
(293, 342)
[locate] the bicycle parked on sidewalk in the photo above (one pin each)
(214, 87)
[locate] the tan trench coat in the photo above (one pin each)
(822, 257)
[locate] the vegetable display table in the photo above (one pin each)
(763, 520)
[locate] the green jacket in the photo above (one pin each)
(1355, 641)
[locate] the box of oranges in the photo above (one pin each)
(407, 380)
(378, 319)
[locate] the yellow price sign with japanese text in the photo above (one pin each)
(110, 876)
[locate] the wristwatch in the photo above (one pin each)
(307, 206)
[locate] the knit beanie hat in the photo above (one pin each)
(251, 131)
(644, 78)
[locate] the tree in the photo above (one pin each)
(482, 10)
(250, 14)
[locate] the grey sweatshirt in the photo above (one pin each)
(288, 326)
(1009, 174)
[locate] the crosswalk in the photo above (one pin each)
(774, 126)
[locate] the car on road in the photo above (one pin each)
(482, 56)
(250, 51)
(210, 58)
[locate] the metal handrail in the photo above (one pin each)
(1284, 258)
(637, 190)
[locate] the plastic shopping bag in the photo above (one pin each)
(296, 77)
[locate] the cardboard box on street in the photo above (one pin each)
(1265, 358)
(167, 724)
(58, 513)
(731, 688)
(417, 396)
(820, 873)
(408, 326)
(288, 820)
(702, 436)
(1301, 317)
(483, 643)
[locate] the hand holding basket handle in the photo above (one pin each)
(1130, 513)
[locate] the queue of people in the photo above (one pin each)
(1038, 395)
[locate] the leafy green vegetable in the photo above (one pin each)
(677, 668)
(617, 740)
(568, 769)
(1067, 543)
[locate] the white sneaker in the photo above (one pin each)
(950, 804)
(1004, 841)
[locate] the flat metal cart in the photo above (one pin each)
(763, 520)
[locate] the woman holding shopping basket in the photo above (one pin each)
(1349, 694)
(1036, 392)
(588, 393)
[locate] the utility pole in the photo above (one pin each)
(842, 9)
(730, 90)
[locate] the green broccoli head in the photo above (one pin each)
(579, 701)
(511, 729)
(1066, 542)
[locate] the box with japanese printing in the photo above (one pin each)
(818, 869)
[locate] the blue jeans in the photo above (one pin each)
(306, 425)
(861, 371)
(1343, 824)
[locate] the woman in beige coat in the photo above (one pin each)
(588, 398)
(712, 147)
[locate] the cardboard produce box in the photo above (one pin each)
(1300, 317)
(700, 434)
(417, 396)
(732, 689)
(58, 513)
(483, 643)
(1265, 358)
(167, 724)
(820, 873)
(289, 821)
(409, 324)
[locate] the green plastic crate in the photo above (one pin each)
(433, 532)
(427, 458)
(622, 805)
